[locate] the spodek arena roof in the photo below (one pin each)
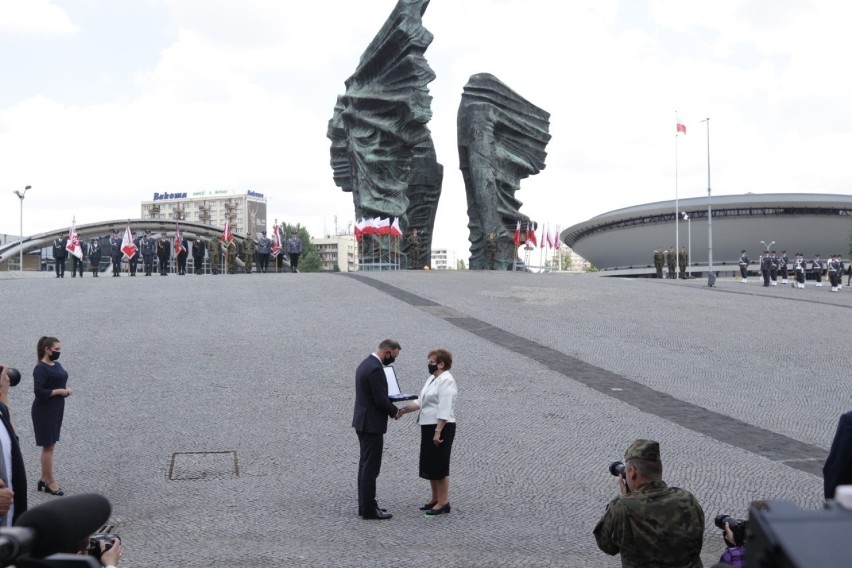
(797, 222)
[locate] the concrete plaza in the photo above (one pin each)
(214, 412)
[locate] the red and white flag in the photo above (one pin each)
(178, 240)
(383, 227)
(531, 233)
(517, 238)
(276, 244)
(73, 244)
(545, 237)
(681, 127)
(128, 247)
(556, 242)
(359, 229)
(395, 231)
(227, 235)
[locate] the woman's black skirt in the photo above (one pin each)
(435, 460)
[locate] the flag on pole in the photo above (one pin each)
(227, 235)
(383, 227)
(517, 239)
(73, 244)
(556, 242)
(277, 248)
(359, 229)
(178, 240)
(395, 231)
(128, 247)
(545, 236)
(531, 233)
(681, 127)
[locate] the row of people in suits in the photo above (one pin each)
(773, 265)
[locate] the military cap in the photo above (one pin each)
(643, 450)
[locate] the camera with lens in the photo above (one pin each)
(617, 468)
(94, 546)
(14, 375)
(738, 527)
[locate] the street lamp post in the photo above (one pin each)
(21, 244)
(689, 244)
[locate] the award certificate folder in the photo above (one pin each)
(393, 387)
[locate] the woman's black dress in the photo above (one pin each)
(48, 410)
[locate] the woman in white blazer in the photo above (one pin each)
(437, 429)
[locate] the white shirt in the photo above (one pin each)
(6, 441)
(437, 399)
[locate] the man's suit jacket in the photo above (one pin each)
(838, 465)
(372, 406)
(19, 474)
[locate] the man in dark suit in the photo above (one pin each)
(838, 466)
(370, 420)
(13, 484)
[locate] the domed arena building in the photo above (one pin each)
(622, 242)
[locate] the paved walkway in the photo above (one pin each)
(214, 412)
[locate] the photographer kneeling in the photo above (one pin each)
(734, 536)
(650, 523)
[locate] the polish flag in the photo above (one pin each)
(681, 127)
(227, 235)
(368, 226)
(128, 247)
(359, 229)
(531, 233)
(178, 240)
(73, 244)
(395, 231)
(383, 227)
(556, 242)
(517, 239)
(545, 237)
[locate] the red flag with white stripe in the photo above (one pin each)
(178, 240)
(517, 239)
(276, 245)
(227, 235)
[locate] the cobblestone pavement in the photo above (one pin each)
(214, 412)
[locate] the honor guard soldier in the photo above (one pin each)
(78, 263)
(658, 262)
(95, 257)
(683, 262)
(214, 254)
(671, 261)
(133, 261)
(115, 253)
(230, 256)
(164, 253)
(491, 250)
(198, 249)
(816, 269)
(149, 248)
(835, 277)
(744, 262)
(773, 268)
(799, 269)
(59, 256)
(294, 250)
(264, 249)
(248, 253)
(784, 261)
(181, 256)
(764, 267)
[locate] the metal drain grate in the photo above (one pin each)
(187, 466)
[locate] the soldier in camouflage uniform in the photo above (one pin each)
(248, 253)
(658, 262)
(682, 262)
(491, 250)
(230, 257)
(650, 523)
(671, 260)
(214, 254)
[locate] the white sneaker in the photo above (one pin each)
(784, 281)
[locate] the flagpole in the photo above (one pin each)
(710, 277)
(677, 212)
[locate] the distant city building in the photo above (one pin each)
(245, 210)
(443, 259)
(337, 251)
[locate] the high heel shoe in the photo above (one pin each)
(42, 486)
(428, 506)
(444, 509)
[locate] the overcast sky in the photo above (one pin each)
(104, 102)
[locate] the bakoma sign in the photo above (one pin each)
(162, 196)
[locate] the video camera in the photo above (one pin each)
(93, 543)
(45, 536)
(617, 468)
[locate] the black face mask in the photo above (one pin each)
(54, 355)
(388, 360)
(432, 368)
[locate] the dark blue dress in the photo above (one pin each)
(48, 410)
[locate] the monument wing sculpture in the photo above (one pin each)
(382, 150)
(502, 139)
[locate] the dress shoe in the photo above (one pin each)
(442, 510)
(377, 514)
(428, 506)
(42, 486)
(361, 511)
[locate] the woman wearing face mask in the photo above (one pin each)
(49, 380)
(437, 429)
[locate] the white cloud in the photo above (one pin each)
(34, 17)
